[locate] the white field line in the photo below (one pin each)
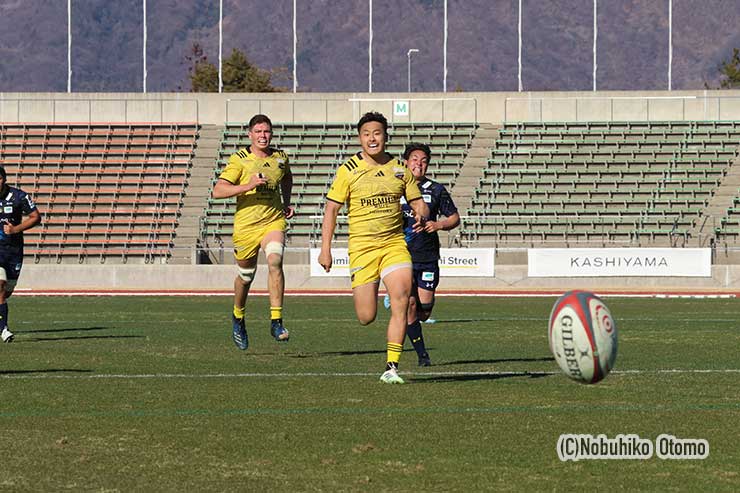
(112, 376)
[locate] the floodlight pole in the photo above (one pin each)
(596, 34)
(444, 49)
(408, 56)
(220, 45)
(69, 45)
(370, 48)
(670, 45)
(144, 47)
(295, 52)
(519, 35)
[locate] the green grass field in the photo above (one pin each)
(149, 394)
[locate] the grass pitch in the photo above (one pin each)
(150, 394)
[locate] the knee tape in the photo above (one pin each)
(9, 284)
(274, 247)
(247, 274)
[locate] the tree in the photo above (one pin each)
(731, 71)
(239, 75)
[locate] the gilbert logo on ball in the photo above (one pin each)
(583, 336)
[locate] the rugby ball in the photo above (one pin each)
(583, 336)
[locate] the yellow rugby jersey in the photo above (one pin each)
(373, 196)
(264, 204)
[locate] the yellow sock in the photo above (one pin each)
(276, 312)
(394, 352)
(239, 312)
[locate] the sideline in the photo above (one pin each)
(347, 292)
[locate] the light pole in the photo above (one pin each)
(69, 45)
(408, 55)
(220, 45)
(143, 4)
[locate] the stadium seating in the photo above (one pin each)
(600, 182)
(106, 191)
(728, 230)
(315, 151)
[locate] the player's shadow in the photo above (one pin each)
(48, 370)
(336, 353)
(32, 333)
(347, 353)
(70, 329)
(471, 377)
(75, 338)
(494, 361)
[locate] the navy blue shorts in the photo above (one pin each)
(12, 263)
(426, 276)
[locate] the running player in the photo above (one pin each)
(372, 183)
(424, 245)
(260, 179)
(15, 204)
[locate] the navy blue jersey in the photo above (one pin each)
(424, 247)
(14, 204)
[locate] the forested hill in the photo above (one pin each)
(632, 49)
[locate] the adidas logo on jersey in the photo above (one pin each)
(380, 173)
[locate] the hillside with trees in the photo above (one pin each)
(107, 43)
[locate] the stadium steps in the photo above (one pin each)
(717, 206)
(196, 194)
(463, 191)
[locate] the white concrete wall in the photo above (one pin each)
(219, 277)
(490, 107)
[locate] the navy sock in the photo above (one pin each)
(413, 330)
(3, 315)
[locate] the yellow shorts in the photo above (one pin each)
(247, 242)
(371, 265)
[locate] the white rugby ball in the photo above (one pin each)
(583, 336)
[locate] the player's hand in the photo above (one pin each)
(289, 211)
(325, 260)
(8, 229)
(419, 225)
(431, 226)
(255, 181)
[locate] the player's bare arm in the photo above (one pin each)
(286, 189)
(224, 189)
(329, 224)
(29, 222)
(444, 224)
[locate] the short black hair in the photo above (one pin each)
(257, 119)
(417, 146)
(373, 116)
(3, 173)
